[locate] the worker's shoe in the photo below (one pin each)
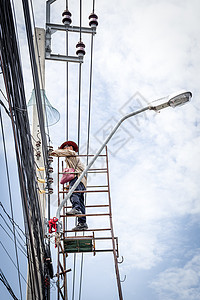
(74, 211)
(80, 226)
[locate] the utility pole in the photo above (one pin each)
(39, 47)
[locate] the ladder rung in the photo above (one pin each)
(96, 229)
(85, 215)
(65, 271)
(89, 206)
(90, 186)
(78, 237)
(85, 237)
(104, 250)
(101, 191)
(102, 169)
(82, 155)
(100, 172)
(105, 238)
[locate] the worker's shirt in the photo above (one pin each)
(72, 161)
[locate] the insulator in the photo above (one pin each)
(50, 169)
(50, 148)
(50, 190)
(66, 17)
(38, 143)
(38, 154)
(50, 180)
(40, 180)
(41, 168)
(80, 49)
(50, 159)
(93, 20)
(41, 191)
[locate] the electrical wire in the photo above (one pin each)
(11, 204)
(80, 20)
(12, 221)
(7, 285)
(88, 136)
(3, 94)
(79, 125)
(21, 248)
(90, 96)
(79, 106)
(35, 80)
(14, 264)
(46, 163)
(6, 110)
(24, 153)
(67, 83)
(93, 6)
(5, 222)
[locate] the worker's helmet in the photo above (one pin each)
(69, 143)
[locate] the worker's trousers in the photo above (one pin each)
(77, 199)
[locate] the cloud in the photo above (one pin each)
(150, 47)
(179, 282)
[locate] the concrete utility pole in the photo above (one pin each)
(40, 60)
(39, 46)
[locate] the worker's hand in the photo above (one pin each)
(52, 153)
(66, 188)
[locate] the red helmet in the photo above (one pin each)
(70, 143)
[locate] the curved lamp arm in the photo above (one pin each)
(172, 100)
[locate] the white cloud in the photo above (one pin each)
(151, 47)
(179, 282)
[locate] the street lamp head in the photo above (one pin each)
(179, 99)
(176, 99)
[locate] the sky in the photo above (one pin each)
(143, 51)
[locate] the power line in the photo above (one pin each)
(67, 84)
(12, 260)
(11, 228)
(25, 160)
(90, 96)
(15, 265)
(12, 221)
(21, 249)
(79, 106)
(7, 285)
(11, 205)
(88, 136)
(6, 110)
(80, 20)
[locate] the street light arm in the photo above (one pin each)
(95, 157)
(174, 100)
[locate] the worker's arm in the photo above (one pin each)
(62, 152)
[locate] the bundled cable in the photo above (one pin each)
(12, 72)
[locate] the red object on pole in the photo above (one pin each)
(53, 225)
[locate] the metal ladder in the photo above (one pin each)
(87, 240)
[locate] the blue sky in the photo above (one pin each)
(143, 50)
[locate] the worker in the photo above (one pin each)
(69, 150)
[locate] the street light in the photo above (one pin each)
(172, 100)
